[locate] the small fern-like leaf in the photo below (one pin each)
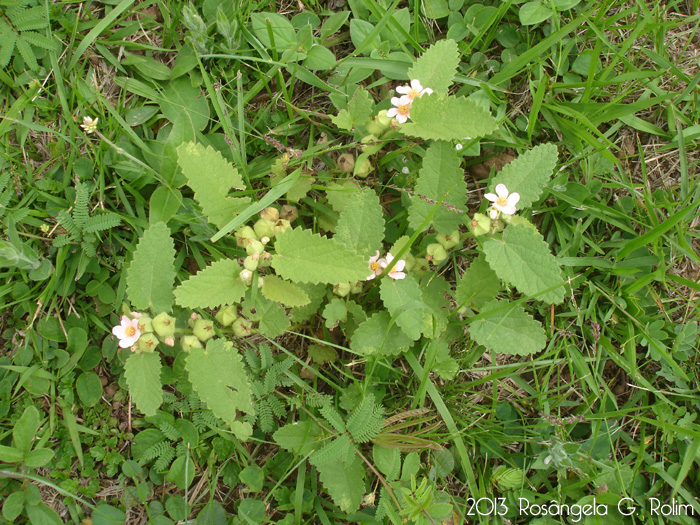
(61, 240)
(265, 420)
(155, 451)
(7, 45)
(277, 406)
(317, 400)
(27, 19)
(103, 221)
(89, 248)
(80, 209)
(169, 431)
(39, 40)
(25, 49)
(163, 461)
(333, 417)
(252, 359)
(65, 220)
(338, 449)
(366, 421)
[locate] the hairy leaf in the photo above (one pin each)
(441, 180)
(345, 482)
(151, 274)
(522, 258)
(142, 373)
(441, 117)
(404, 300)
(307, 257)
(211, 177)
(528, 174)
(289, 294)
(437, 67)
(509, 331)
(375, 336)
(478, 285)
(218, 284)
(218, 377)
(361, 224)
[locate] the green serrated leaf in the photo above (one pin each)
(142, 373)
(211, 177)
(376, 336)
(306, 257)
(218, 377)
(300, 438)
(404, 300)
(522, 258)
(440, 180)
(218, 284)
(437, 67)
(528, 174)
(441, 117)
(273, 319)
(509, 331)
(345, 482)
(478, 285)
(150, 277)
(361, 224)
(289, 294)
(334, 313)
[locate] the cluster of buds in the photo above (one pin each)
(142, 334)
(502, 207)
(436, 252)
(254, 239)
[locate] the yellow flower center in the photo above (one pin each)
(130, 331)
(502, 201)
(403, 109)
(413, 93)
(374, 266)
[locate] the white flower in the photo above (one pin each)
(375, 264)
(502, 201)
(396, 269)
(89, 125)
(405, 170)
(414, 90)
(401, 111)
(127, 332)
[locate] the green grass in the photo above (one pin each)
(607, 409)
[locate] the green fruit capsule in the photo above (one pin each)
(251, 262)
(242, 327)
(363, 169)
(246, 232)
(164, 325)
(342, 289)
(146, 344)
(448, 241)
(281, 226)
(203, 329)
(436, 253)
(264, 228)
(145, 324)
(270, 214)
(188, 342)
(226, 316)
(480, 224)
(254, 246)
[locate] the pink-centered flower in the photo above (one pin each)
(502, 200)
(375, 265)
(395, 269)
(414, 90)
(127, 332)
(402, 109)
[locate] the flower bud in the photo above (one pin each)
(251, 262)
(246, 277)
(188, 342)
(265, 260)
(203, 330)
(146, 344)
(193, 319)
(261, 281)
(145, 324)
(436, 253)
(254, 246)
(364, 169)
(163, 325)
(246, 232)
(270, 214)
(264, 228)
(170, 341)
(346, 163)
(289, 213)
(242, 327)
(448, 241)
(264, 240)
(281, 226)
(342, 289)
(421, 266)
(227, 315)
(480, 224)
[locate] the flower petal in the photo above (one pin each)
(392, 112)
(491, 197)
(401, 118)
(119, 331)
(397, 275)
(399, 266)
(508, 210)
(427, 91)
(513, 199)
(502, 191)
(397, 101)
(415, 84)
(403, 89)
